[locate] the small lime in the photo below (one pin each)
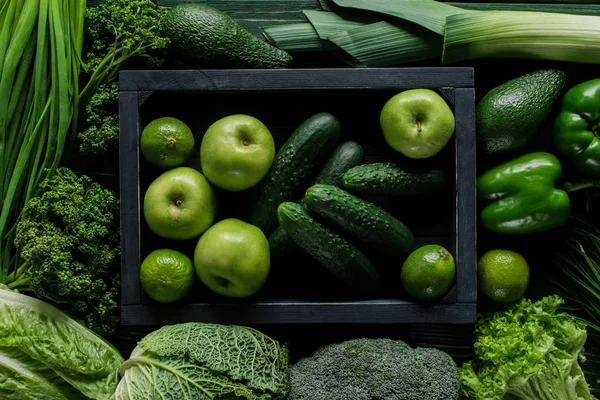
(167, 142)
(167, 275)
(503, 275)
(428, 272)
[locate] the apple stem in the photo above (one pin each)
(178, 202)
(246, 143)
(419, 126)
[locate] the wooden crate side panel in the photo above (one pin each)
(130, 197)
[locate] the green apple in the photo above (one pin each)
(180, 204)
(418, 123)
(236, 152)
(232, 258)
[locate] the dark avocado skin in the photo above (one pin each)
(205, 37)
(509, 116)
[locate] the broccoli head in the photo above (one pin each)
(69, 240)
(374, 369)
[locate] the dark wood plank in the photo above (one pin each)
(130, 197)
(322, 79)
(466, 196)
(374, 312)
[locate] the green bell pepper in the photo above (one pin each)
(577, 127)
(522, 195)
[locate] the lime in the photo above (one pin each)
(167, 142)
(503, 275)
(167, 275)
(428, 272)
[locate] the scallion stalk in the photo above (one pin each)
(40, 58)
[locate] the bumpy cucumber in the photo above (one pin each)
(347, 155)
(362, 219)
(393, 180)
(294, 167)
(334, 253)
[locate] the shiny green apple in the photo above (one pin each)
(232, 258)
(417, 123)
(236, 152)
(180, 204)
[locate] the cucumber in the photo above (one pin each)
(362, 219)
(392, 180)
(338, 256)
(344, 157)
(294, 166)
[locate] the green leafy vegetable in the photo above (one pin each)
(23, 378)
(205, 361)
(530, 352)
(119, 30)
(69, 240)
(102, 134)
(39, 344)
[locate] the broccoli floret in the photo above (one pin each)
(69, 240)
(374, 369)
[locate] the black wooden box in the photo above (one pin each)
(282, 99)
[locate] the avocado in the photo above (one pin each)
(509, 116)
(205, 37)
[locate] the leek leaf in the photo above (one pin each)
(429, 14)
(383, 44)
(295, 37)
(327, 23)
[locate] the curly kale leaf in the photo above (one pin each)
(69, 239)
(118, 31)
(102, 113)
(528, 352)
(205, 361)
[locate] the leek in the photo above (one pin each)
(526, 35)
(327, 23)
(583, 9)
(429, 14)
(295, 37)
(382, 44)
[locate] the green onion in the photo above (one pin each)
(40, 58)
(429, 14)
(382, 44)
(295, 37)
(527, 35)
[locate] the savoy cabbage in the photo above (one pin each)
(205, 361)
